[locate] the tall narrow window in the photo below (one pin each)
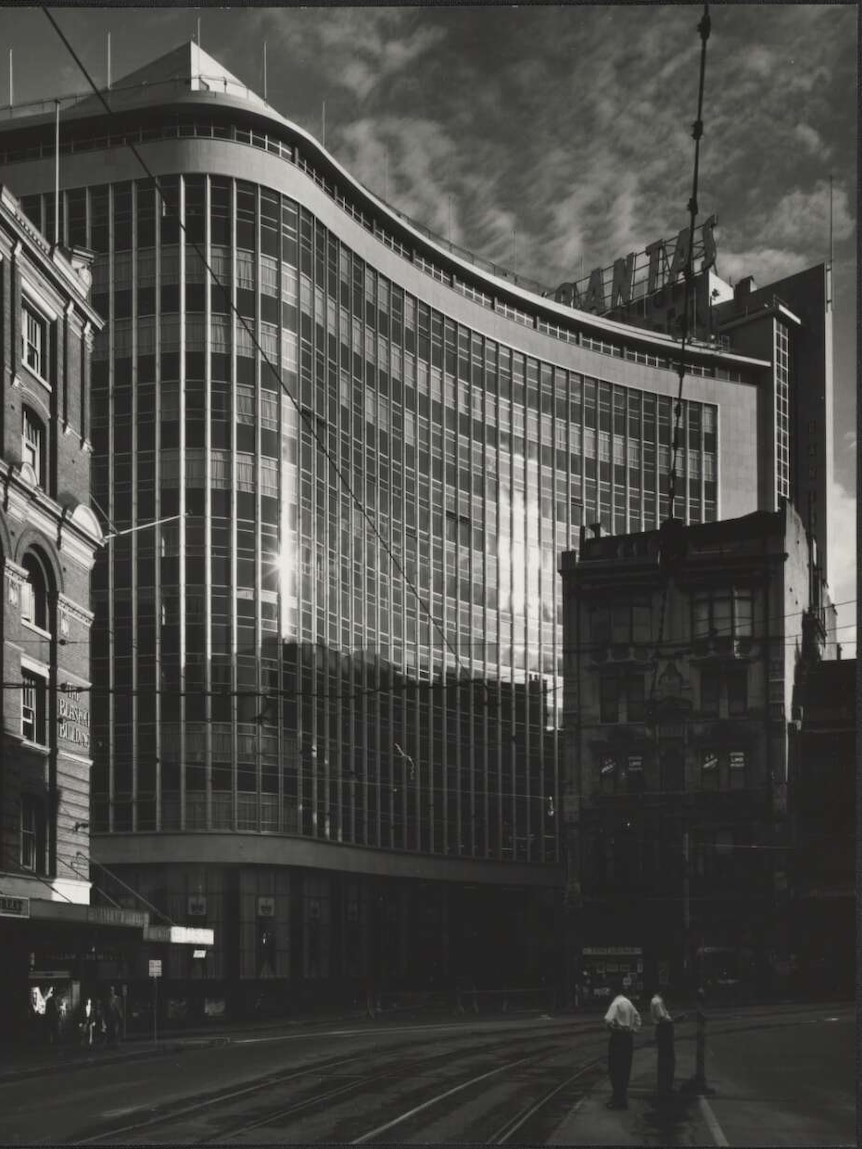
(33, 443)
(710, 689)
(737, 693)
(635, 698)
(608, 773)
(609, 699)
(34, 594)
(709, 770)
(672, 771)
(34, 337)
(33, 726)
(32, 834)
(736, 769)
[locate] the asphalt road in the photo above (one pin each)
(781, 1077)
(787, 1081)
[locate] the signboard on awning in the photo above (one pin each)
(12, 907)
(180, 935)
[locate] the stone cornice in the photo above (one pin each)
(75, 610)
(14, 572)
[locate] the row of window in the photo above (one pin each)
(629, 858)
(718, 770)
(33, 207)
(714, 614)
(723, 693)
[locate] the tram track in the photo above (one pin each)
(530, 1112)
(182, 1122)
(491, 1103)
(203, 1103)
(525, 1116)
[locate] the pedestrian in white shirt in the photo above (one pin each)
(623, 1020)
(664, 1041)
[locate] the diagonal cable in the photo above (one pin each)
(668, 542)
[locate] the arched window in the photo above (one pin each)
(34, 596)
(34, 444)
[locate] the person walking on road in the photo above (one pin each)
(52, 1018)
(623, 1020)
(664, 1040)
(113, 1017)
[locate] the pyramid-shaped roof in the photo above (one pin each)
(181, 71)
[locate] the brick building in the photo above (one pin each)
(48, 540)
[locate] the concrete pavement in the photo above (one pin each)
(685, 1119)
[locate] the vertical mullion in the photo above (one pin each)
(208, 461)
(232, 620)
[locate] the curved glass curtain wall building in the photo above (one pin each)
(349, 635)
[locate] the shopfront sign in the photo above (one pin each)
(641, 274)
(612, 951)
(74, 719)
(109, 916)
(11, 907)
(180, 935)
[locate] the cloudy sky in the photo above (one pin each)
(552, 138)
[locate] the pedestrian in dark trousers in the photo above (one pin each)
(623, 1020)
(114, 1017)
(52, 1018)
(664, 1040)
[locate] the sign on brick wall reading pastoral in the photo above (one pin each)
(74, 719)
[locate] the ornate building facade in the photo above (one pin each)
(49, 538)
(683, 648)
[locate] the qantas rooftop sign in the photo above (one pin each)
(641, 273)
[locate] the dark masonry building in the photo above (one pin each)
(679, 836)
(824, 814)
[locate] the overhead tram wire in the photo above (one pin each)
(668, 526)
(308, 418)
(409, 684)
